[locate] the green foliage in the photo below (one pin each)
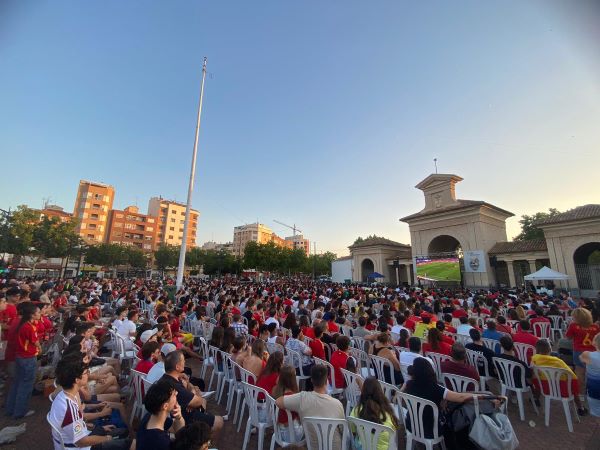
(359, 239)
(529, 229)
(272, 258)
(166, 256)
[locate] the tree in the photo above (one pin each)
(529, 228)
(166, 256)
(136, 258)
(22, 224)
(195, 257)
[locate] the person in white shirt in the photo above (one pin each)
(272, 319)
(400, 318)
(158, 369)
(406, 358)
(464, 327)
(120, 313)
(127, 329)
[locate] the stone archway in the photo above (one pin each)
(367, 267)
(443, 243)
(587, 267)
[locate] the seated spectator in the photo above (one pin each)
(448, 323)
(491, 332)
(543, 358)
(404, 336)
(189, 397)
(239, 327)
(414, 347)
(422, 328)
(315, 403)
(194, 436)
(436, 344)
(287, 384)
(441, 327)
(66, 415)
(163, 417)
(508, 352)
(240, 351)
(150, 354)
(524, 335)
(361, 331)
(316, 345)
(339, 359)
(464, 326)
(502, 326)
(307, 330)
(158, 369)
(268, 376)
(373, 406)
(458, 364)
(296, 344)
(257, 360)
(400, 319)
(383, 348)
(478, 346)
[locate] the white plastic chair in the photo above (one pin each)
(295, 359)
(369, 433)
(360, 343)
(462, 338)
(137, 409)
(55, 432)
(492, 344)
(362, 359)
(325, 431)
(558, 326)
(331, 389)
(352, 391)
(415, 408)
(507, 373)
(213, 352)
(247, 377)
(553, 377)
(273, 347)
(379, 364)
(284, 435)
(524, 352)
(251, 398)
(542, 330)
(480, 363)
(459, 383)
(437, 359)
(392, 393)
(204, 351)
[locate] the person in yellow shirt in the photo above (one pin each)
(543, 358)
(422, 328)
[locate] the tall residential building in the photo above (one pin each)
(171, 216)
(130, 227)
(254, 232)
(92, 205)
(298, 241)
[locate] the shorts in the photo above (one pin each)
(576, 361)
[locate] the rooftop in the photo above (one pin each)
(536, 245)
(579, 213)
(460, 204)
(378, 241)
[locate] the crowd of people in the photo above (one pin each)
(280, 331)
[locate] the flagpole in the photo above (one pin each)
(188, 207)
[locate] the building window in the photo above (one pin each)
(91, 236)
(94, 216)
(170, 236)
(172, 220)
(119, 216)
(181, 221)
(149, 228)
(118, 234)
(95, 205)
(118, 225)
(92, 226)
(183, 213)
(173, 211)
(148, 246)
(181, 230)
(171, 228)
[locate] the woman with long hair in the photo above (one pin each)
(375, 407)
(582, 332)
(27, 348)
(436, 344)
(404, 335)
(256, 361)
(287, 384)
(269, 375)
(290, 321)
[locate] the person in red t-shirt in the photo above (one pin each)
(502, 326)
(316, 345)
(269, 374)
(459, 312)
(435, 343)
(582, 331)
(150, 354)
(26, 351)
(524, 335)
(307, 330)
(339, 358)
(332, 327)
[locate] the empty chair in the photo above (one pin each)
(459, 383)
(551, 379)
(380, 365)
(362, 360)
(295, 359)
(557, 326)
(137, 409)
(214, 355)
(512, 378)
(204, 351)
(360, 343)
(437, 359)
(260, 414)
(353, 388)
(414, 421)
(371, 434)
(329, 434)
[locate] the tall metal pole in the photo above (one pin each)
(188, 207)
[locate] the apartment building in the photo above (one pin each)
(217, 247)
(254, 232)
(54, 211)
(130, 227)
(170, 219)
(298, 241)
(92, 206)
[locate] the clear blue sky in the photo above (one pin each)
(319, 113)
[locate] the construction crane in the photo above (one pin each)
(293, 228)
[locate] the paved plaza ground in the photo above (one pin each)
(586, 434)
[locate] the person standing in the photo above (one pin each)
(26, 351)
(582, 331)
(592, 364)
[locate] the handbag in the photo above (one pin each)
(494, 432)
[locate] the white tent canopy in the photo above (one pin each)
(546, 273)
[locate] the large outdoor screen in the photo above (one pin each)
(438, 269)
